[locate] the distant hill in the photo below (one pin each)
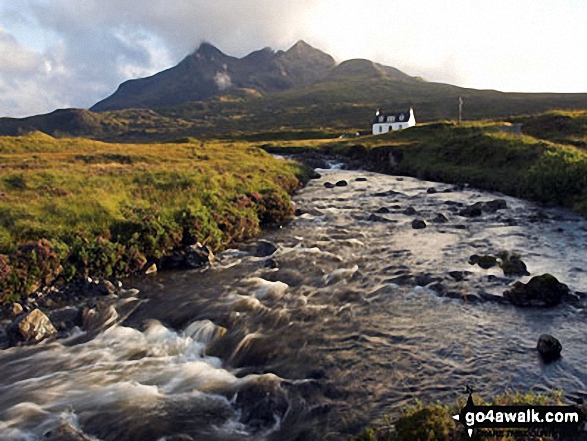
(210, 93)
(208, 72)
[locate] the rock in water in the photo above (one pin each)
(265, 249)
(32, 327)
(418, 224)
(66, 432)
(512, 265)
(440, 219)
(342, 183)
(361, 179)
(198, 255)
(544, 290)
(549, 347)
(328, 185)
(151, 269)
(484, 262)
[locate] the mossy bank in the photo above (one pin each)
(74, 207)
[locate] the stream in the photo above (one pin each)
(352, 318)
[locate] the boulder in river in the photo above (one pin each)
(383, 210)
(198, 255)
(418, 224)
(410, 211)
(374, 218)
(431, 190)
(261, 402)
(32, 327)
(512, 265)
(484, 262)
(361, 179)
(342, 183)
(544, 291)
(549, 347)
(265, 249)
(66, 432)
(328, 185)
(440, 219)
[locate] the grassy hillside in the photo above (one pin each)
(337, 104)
(74, 206)
(485, 154)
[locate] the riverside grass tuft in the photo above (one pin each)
(433, 422)
(74, 207)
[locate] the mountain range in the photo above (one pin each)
(210, 93)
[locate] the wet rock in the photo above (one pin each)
(271, 264)
(484, 262)
(328, 185)
(101, 317)
(425, 279)
(375, 218)
(265, 249)
(431, 190)
(261, 402)
(67, 318)
(383, 210)
(544, 291)
(418, 224)
(489, 297)
(512, 265)
(150, 269)
(198, 255)
(299, 212)
(410, 211)
(478, 208)
(361, 179)
(493, 206)
(315, 175)
(32, 327)
(404, 279)
(453, 203)
(549, 347)
(4, 338)
(396, 207)
(459, 276)
(461, 227)
(474, 210)
(383, 194)
(342, 183)
(17, 309)
(66, 432)
(440, 219)
(399, 179)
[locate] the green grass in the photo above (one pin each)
(433, 422)
(105, 209)
(485, 154)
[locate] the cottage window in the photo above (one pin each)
(380, 129)
(381, 119)
(391, 119)
(401, 117)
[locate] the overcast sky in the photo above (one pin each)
(72, 53)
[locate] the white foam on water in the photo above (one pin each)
(264, 288)
(340, 274)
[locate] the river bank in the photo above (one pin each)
(73, 208)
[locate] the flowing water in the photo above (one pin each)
(341, 326)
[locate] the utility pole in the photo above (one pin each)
(460, 109)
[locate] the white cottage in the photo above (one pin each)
(386, 122)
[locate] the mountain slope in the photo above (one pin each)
(208, 72)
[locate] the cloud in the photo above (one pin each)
(56, 53)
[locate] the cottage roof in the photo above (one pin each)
(399, 117)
